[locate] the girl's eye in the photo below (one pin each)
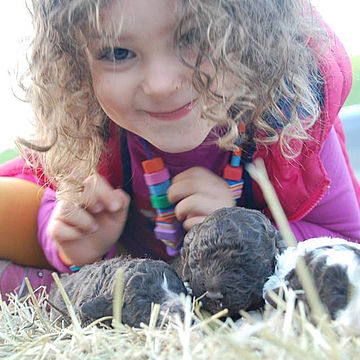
(116, 54)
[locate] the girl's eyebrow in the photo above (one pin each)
(119, 36)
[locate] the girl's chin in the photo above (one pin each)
(176, 149)
(179, 143)
(180, 136)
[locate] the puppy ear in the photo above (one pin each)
(184, 273)
(98, 307)
(185, 252)
(189, 237)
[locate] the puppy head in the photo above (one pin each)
(146, 282)
(229, 257)
(155, 283)
(332, 268)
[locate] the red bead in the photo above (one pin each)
(152, 165)
(233, 173)
(165, 220)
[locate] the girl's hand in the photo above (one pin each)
(198, 192)
(83, 234)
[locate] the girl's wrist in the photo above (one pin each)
(72, 264)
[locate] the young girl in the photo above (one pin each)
(170, 98)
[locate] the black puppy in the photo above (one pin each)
(229, 257)
(91, 290)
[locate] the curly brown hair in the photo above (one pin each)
(261, 45)
(270, 50)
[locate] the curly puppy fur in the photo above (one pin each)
(91, 290)
(229, 257)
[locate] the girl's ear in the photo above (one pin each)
(98, 307)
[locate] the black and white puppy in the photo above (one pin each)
(228, 257)
(335, 267)
(146, 281)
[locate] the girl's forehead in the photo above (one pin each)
(131, 16)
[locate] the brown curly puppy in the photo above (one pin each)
(229, 257)
(146, 281)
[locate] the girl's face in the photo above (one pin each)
(139, 81)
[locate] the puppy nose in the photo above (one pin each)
(214, 295)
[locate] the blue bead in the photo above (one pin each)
(235, 161)
(163, 212)
(159, 189)
(231, 182)
(74, 268)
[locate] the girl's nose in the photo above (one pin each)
(163, 77)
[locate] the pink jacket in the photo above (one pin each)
(301, 183)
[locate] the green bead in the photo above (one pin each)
(160, 202)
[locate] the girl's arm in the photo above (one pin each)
(47, 207)
(337, 214)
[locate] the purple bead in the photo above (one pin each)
(157, 177)
(171, 251)
(171, 235)
(168, 235)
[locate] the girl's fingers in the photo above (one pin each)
(182, 189)
(194, 172)
(63, 232)
(197, 180)
(189, 223)
(196, 205)
(102, 196)
(75, 216)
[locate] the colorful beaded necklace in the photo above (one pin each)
(157, 177)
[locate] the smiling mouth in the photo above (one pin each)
(173, 115)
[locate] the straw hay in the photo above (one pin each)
(285, 333)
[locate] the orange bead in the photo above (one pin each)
(241, 128)
(152, 165)
(237, 152)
